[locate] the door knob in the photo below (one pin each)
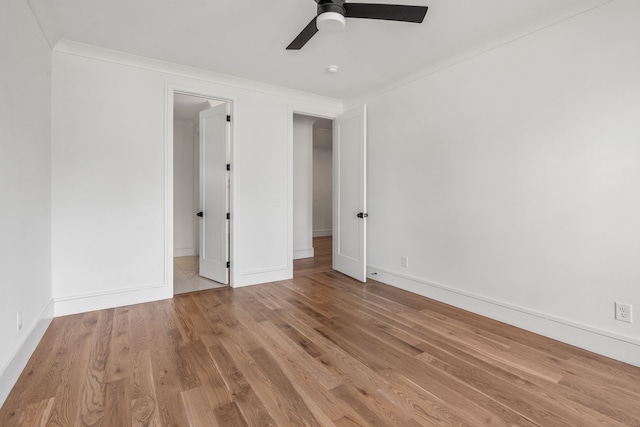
(199, 214)
(362, 215)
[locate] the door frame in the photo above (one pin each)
(208, 93)
(307, 110)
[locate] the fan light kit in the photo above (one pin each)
(330, 22)
(331, 16)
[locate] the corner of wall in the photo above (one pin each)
(11, 372)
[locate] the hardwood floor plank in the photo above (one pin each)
(259, 383)
(117, 403)
(168, 385)
(230, 415)
(200, 407)
(343, 394)
(358, 375)
(202, 329)
(92, 401)
(318, 349)
(295, 409)
(119, 359)
(183, 307)
(139, 336)
(249, 405)
(292, 353)
(303, 372)
(37, 414)
(144, 405)
(72, 369)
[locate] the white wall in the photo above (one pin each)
(302, 187)
(25, 154)
(511, 181)
(112, 207)
(185, 241)
(322, 183)
(108, 185)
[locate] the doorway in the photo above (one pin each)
(191, 238)
(312, 193)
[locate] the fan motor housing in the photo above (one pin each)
(336, 6)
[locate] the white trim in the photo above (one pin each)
(289, 266)
(168, 187)
(205, 90)
(82, 303)
(303, 253)
(323, 233)
(263, 276)
(308, 109)
(84, 50)
(185, 252)
(263, 270)
(18, 361)
(505, 36)
(606, 343)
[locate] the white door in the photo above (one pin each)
(214, 193)
(349, 194)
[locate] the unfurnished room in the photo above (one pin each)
(320, 213)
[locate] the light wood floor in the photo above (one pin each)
(320, 349)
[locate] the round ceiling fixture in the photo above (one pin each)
(330, 22)
(332, 69)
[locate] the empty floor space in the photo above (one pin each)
(320, 350)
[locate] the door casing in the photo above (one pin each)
(207, 93)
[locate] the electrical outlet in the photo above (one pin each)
(18, 321)
(623, 312)
(404, 261)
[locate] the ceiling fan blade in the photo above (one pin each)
(304, 36)
(389, 12)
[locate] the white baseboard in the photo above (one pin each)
(323, 233)
(11, 372)
(303, 253)
(256, 277)
(116, 298)
(184, 252)
(606, 343)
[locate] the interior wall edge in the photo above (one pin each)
(615, 346)
(11, 371)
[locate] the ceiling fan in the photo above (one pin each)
(332, 13)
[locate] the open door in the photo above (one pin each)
(214, 193)
(349, 194)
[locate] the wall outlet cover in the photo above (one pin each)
(623, 312)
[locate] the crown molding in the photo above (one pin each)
(69, 47)
(497, 39)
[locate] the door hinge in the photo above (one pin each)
(228, 264)
(228, 166)
(228, 215)
(228, 118)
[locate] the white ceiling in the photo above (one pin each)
(247, 38)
